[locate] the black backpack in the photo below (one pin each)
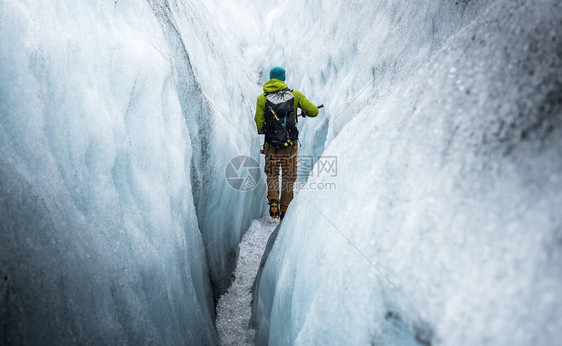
(280, 128)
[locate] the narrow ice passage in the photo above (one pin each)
(437, 157)
(234, 307)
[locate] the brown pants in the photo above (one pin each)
(287, 160)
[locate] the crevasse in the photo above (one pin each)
(441, 226)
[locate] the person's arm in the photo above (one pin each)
(259, 118)
(308, 108)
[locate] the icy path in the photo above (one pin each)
(234, 308)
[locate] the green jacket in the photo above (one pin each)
(301, 102)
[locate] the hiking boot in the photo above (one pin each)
(274, 208)
(281, 215)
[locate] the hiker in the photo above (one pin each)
(276, 117)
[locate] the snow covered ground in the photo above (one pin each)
(234, 307)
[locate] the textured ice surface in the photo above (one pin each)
(219, 97)
(114, 136)
(448, 181)
(234, 307)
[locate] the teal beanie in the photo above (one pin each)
(278, 73)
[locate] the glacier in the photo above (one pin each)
(117, 225)
(440, 137)
(445, 119)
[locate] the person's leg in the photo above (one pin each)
(288, 177)
(272, 173)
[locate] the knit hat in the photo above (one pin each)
(277, 73)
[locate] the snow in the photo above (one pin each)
(234, 307)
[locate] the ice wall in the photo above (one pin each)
(117, 120)
(445, 224)
(214, 39)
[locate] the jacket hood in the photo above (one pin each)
(274, 85)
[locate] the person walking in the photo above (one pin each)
(276, 118)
